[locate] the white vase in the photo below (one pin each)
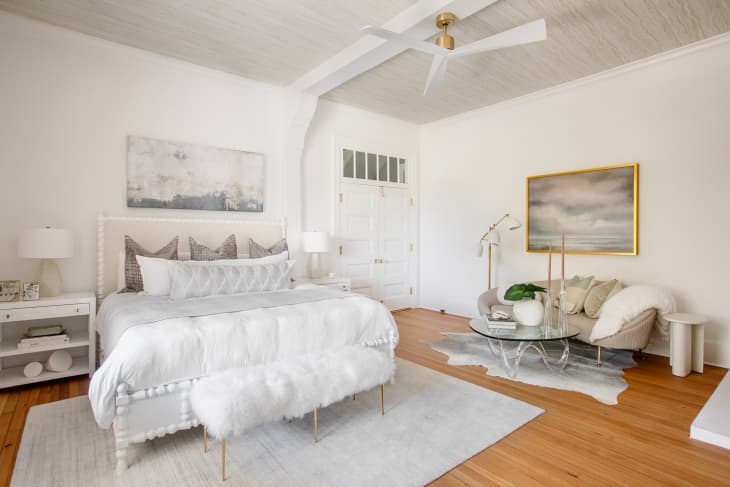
(528, 312)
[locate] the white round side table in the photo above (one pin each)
(687, 342)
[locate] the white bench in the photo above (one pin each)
(230, 402)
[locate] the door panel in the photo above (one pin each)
(359, 236)
(375, 234)
(395, 240)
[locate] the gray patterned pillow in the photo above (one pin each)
(132, 276)
(226, 250)
(194, 280)
(256, 250)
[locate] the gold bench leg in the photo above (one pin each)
(382, 399)
(315, 425)
(223, 459)
(205, 439)
(598, 359)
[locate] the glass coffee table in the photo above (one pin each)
(525, 337)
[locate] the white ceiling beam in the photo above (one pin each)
(418, 21)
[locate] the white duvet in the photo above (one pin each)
(159, 352)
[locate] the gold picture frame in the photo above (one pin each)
(595, 221)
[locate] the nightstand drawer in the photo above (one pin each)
(41, 312)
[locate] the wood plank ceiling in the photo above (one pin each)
(276, 41)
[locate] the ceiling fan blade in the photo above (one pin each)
(525, 34)
(405, 41)
(435, 74)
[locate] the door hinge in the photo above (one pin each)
(340, 249)
(411, 201)
(411, 291)
(411, 247)
(382, 192)
(340, 197)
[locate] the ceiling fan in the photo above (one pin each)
(443, 49)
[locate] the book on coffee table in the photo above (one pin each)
(499, 322)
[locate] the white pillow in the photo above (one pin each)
(155, 275)
(156, 272)
(196, 281)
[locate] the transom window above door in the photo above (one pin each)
(368, 166)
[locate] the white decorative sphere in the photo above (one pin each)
(33, 369)
(528, 312)
(59, 361)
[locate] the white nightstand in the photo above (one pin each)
(75, 311)
(342, 283)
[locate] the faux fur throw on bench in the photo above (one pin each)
(630, 302)
(232, 401)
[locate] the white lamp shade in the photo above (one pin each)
(314, 242)
(45, 243)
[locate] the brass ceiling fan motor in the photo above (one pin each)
(443, 21)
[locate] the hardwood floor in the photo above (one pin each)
(644, 440)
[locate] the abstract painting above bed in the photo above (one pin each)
(162, 174)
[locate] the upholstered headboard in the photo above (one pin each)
(153, 233)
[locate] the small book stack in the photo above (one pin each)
(43, 336)
(501, 321)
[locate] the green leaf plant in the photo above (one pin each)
(518, 292)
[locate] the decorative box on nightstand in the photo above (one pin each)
(343, 283)
(75, 312)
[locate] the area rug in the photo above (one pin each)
(580, 374)
(432, 423)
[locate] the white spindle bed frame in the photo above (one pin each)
(165, 408)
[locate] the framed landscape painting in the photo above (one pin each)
(596, 208)
(163, 174)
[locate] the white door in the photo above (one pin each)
(359, 236)
(375, 241)
(395, 251)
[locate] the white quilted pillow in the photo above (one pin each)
(196, 281)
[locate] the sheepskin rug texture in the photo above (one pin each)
(432, 423)
(580, 374)
(233, 401)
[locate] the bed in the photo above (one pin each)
(155, 348)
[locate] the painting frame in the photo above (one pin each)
(635, 210)
(167, 174)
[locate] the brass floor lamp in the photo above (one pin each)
(492, 241)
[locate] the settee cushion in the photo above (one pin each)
(598, 294)
(576, 290)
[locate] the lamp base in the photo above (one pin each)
(50, 280)
(314, 272)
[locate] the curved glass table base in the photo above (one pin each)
(526, 338)
(512, 363)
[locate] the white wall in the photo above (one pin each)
(672, 117)
(68, 102)
(334, 122)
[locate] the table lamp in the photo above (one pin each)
(315, 243)
(47, 244)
